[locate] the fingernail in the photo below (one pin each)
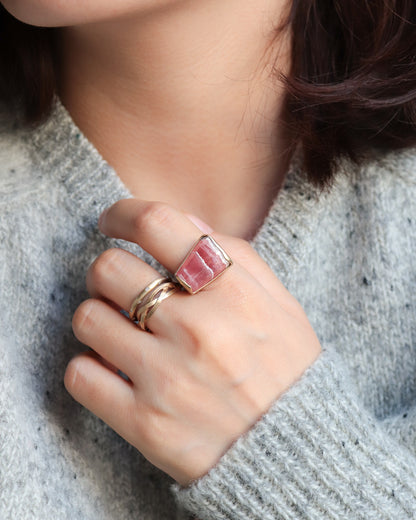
(101, 218)
(203, 226)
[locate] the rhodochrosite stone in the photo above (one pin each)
(204, 263)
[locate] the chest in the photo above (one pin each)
(356, 283)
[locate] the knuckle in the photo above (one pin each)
(154, 215)
(84, 318)
(237, 296)
(242, 243)
(195, 337)
(150, 428)
(241, 247)
(106, 266)
(203, 339)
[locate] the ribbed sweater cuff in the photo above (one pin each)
(315, 454)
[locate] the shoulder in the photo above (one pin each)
(381, 208)
(389, 169)
(382, 184)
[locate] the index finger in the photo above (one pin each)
(163, 231)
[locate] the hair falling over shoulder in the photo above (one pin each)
(353, 80)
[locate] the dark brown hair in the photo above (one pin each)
(27, 68)
(352, 84)
(353, 81)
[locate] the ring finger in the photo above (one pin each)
(119, 276)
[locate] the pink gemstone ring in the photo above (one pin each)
(204, 263)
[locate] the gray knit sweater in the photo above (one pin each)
(339, 444)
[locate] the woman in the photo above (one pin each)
(284, 387)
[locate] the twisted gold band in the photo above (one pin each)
(145, 304)
(145, 311)
(142, 295)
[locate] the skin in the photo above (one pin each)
(174, 94)
(59, 13)
(172, 118)
(215, 361)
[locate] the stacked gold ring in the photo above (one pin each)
(145, 304)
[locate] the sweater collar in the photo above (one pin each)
(59, 148)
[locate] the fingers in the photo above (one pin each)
(119, 276)
(113, 336)
(164, 232)
(100, 390)
(168, 235)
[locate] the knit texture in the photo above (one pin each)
(339, 444)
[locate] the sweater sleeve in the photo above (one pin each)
(316, 454)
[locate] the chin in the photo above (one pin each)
(43, 13)
(61, 13)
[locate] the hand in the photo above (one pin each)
(214, 362)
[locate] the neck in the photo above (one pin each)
(183, 104)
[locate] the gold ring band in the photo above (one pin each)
(145, 304)
(145, 311)
(142, 295)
